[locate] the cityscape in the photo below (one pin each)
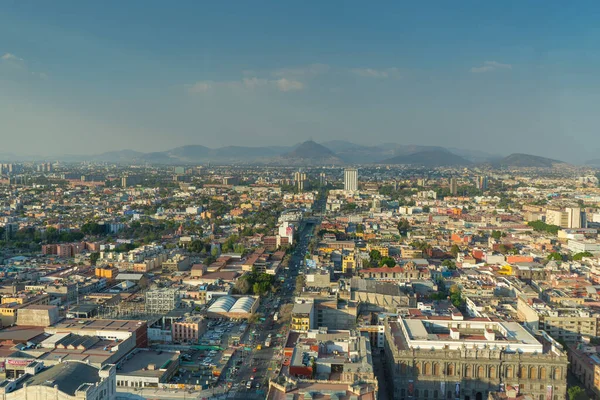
(299, 201)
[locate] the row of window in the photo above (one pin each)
(426, 368)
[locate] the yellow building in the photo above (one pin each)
(384, 251)
(348, 264)
(302, 315)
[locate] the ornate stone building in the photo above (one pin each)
(468, 359)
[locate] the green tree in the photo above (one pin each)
(496, 235)
(375, 255)
(94, 258)
(577, 393)
(454, 250)
(554, 256)
(450, 264)
(579, 256)
(403, 226)
(387, 261)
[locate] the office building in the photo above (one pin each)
(351, 179)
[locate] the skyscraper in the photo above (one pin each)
(351, 179)
(482, 182)
(453, 186)
(300, 180)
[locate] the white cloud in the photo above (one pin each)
(306, 70)
(490, 66)
(253, 83)
(377, 73)
(200, 87)
(287, 85)
(10, 57)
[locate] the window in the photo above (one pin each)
(543, 373)
(435, 394)
(480, 372)
(451, 369)
(426, 393)
(436, 369)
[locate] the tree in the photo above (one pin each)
(451, 265)
(496, 235)
(577, 393)
(94, 258)
(579, 256)
(242, 286)
(387, 261)
(375, 255)
(426, 209)
(403, 226)
(554, 256)
(454, 250)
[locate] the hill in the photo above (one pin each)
(309, 153)
(521, 160)
(428, 158)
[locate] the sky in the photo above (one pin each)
(84, 77)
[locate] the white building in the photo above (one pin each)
(351, 179)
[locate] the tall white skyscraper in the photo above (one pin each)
(351, 179)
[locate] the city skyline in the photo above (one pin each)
(75, 77)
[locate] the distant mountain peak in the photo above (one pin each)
(522, 160)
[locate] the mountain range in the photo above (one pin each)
(335, 152)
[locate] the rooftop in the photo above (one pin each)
(67, 376)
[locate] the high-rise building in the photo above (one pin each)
(453, 186)
(351, 179)
(300, 180)
(323, 178)
(482, 182)
(576, 218)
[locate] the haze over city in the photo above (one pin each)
(88, 77)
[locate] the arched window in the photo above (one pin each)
(435, 394)
(451, 369)
(492, 372)
(427, 369)
(523, 372)
(509, 371)
(533, 373)
(557, 373)
(543, 373)
(436, 369)
(419, 369)
(403, 368)
(480, 372)
(449, 394)
(468, 371)
(416, 393)
(426, 393)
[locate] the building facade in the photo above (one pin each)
(452, 368)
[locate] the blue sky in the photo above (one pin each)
(502, 77)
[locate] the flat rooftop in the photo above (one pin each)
(97, 325)
(138, 364)
(479, 332)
